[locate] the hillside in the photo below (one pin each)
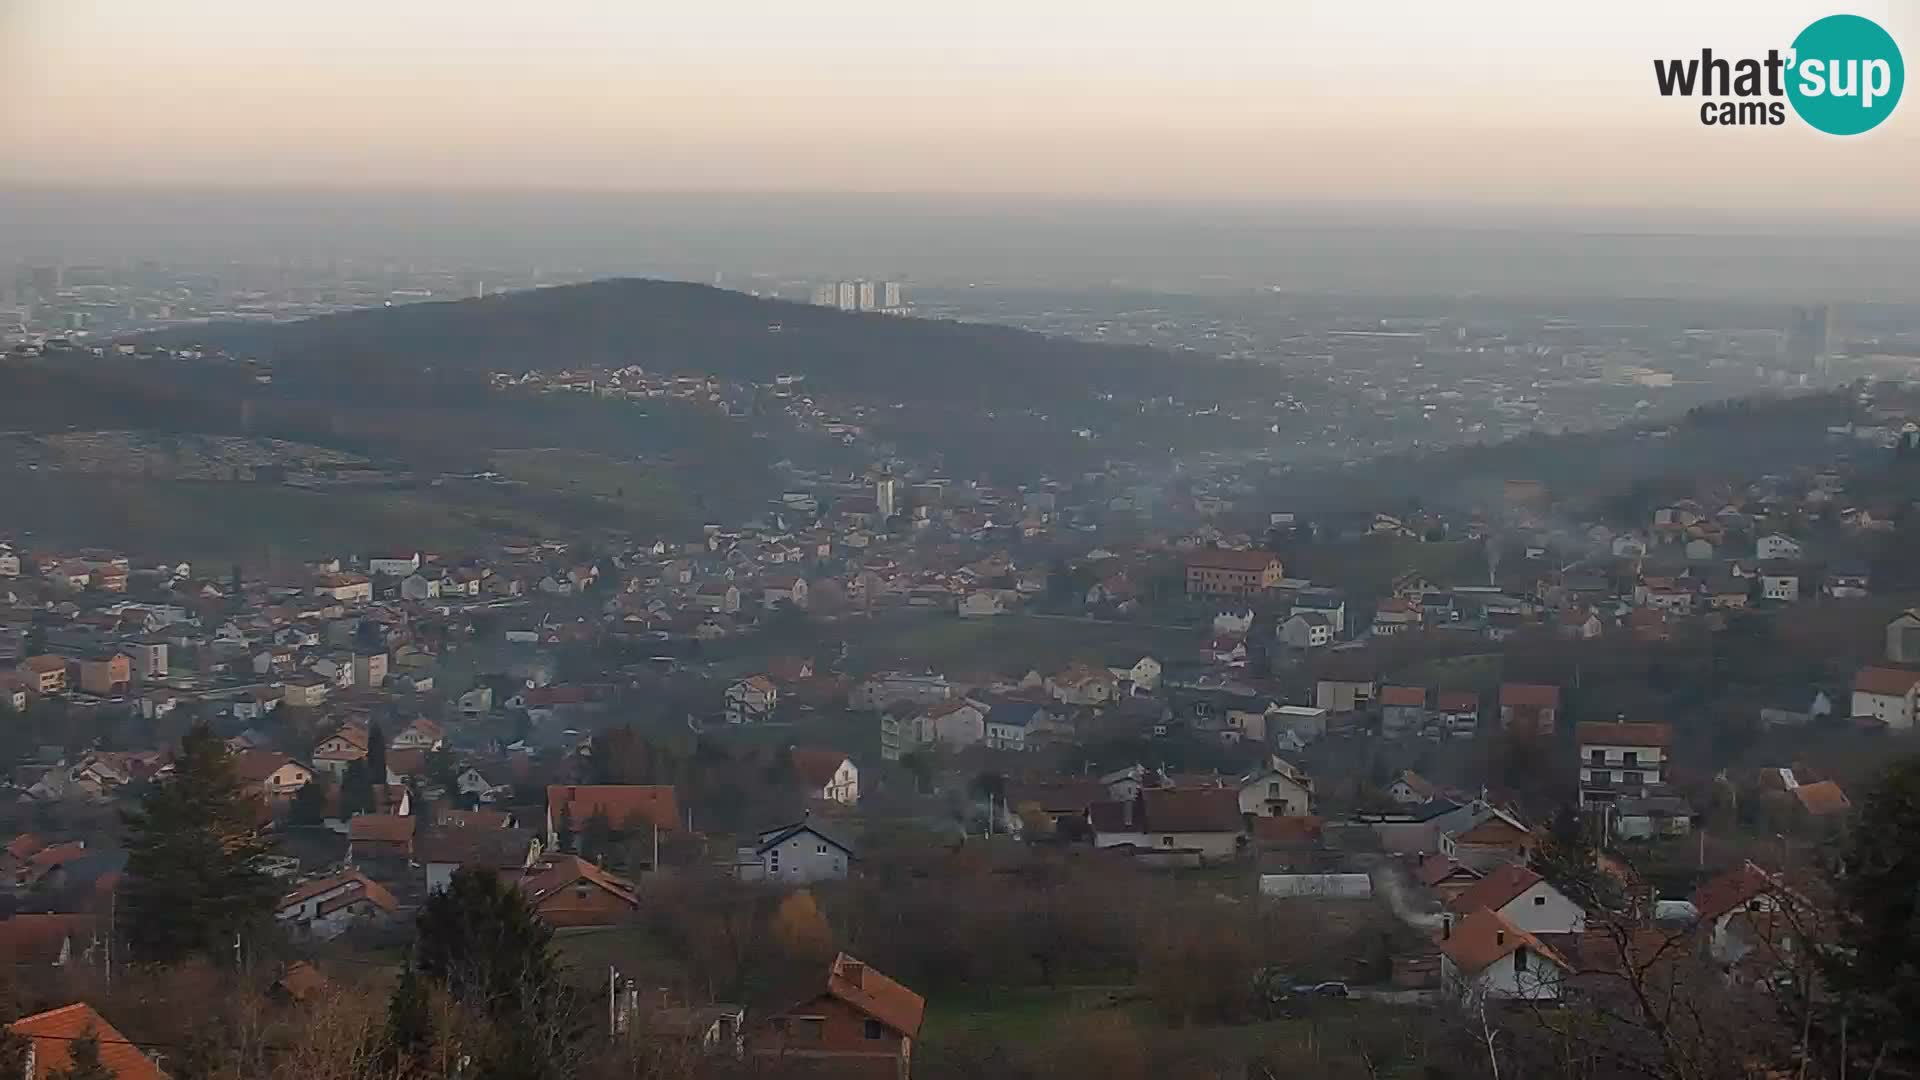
(671, 326)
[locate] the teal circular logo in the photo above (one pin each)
(1846, 75)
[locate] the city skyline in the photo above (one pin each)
(1490, 107)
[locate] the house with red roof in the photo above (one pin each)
(826, 775)
(1529, 708)
(629, 807)
(860, 1024)
(1524, 899)
(327, 907)
(1485, 957)
(51, 1037)
(1621, 759)
(1888, 695)
(566, 890)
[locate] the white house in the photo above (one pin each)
(330, 906)
(1144, 675)
(1233, 623)
(1280, 790)
(1081, 686)
(751, 700)
(1484, 957)
(1775, 546)
(477, 701)
(828, 775)
(983, 604)
(1524, 899)
(393, 565)
(1306, 630)
(1620, 758)
(1887, 695)
(794, 854)
(956, 725)
(1781, 585)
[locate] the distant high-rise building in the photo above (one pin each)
(823, 295)
(1807, 338)
(886, 496)
(867, 301)
(891, 295)
(847, 296)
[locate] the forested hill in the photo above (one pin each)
(671, 326)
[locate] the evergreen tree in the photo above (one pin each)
(411, 1034)
(598, 836)
(86, 1063)
(356, 789)
(192, 847)
(1879, 879)
(376, 754)
(482, 942)
(309, 804)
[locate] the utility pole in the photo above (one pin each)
(613, 983)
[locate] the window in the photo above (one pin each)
(773, 860)
(1630, 759)
(810, 1028)
(1597, 757)
(820, 849)
(874, 1030)
(1630, 778)
(1520, 959)
(1539, 901)
(1166, 841)
(1273, 790)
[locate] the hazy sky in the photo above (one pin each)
(1537, 103)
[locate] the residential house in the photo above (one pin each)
(475, 841)
(1144, 676)
(1446, 876)
(1646, 817)
(1205, 822)
(1306, 630)
(955, 725)
(860, 1024)
(1012, 725)
(1903, 638)
(271, 775)
(1403, 710)
(1411, 789)
(1529, 708)
(798, 854)
(629, 807)
(381, 839)
(345, 588)
(827, 775)
(1621, 759)
(568, 891)
(1747, 915)
(1848, 581)
(879, 691)
(1775, 546)
(1887, 695)
(1484, 957)
(106, 676)
(393, 565)
(1342, 695)
(1082, 686)
(334, 753)
(421, 734)
(1394, 616)
(986, 603)
(45, 675)
(1233, 622)
(1822, 799)
(1216, 572)
(370, 670)
(327, 907)
(305, 693)
(484, 785)
(1459, 713)
(1326, 603)
(1524, 899)
(1280, 790)
(50, 1038)
(1779, 583)
(476, 702)
(751, 700)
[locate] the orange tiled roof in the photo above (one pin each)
(1497, 889)
(878, 996)
(1484, 937)
(1822, 799)
(54, 1033)
(647, 804)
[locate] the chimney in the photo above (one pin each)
(1499, 937)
